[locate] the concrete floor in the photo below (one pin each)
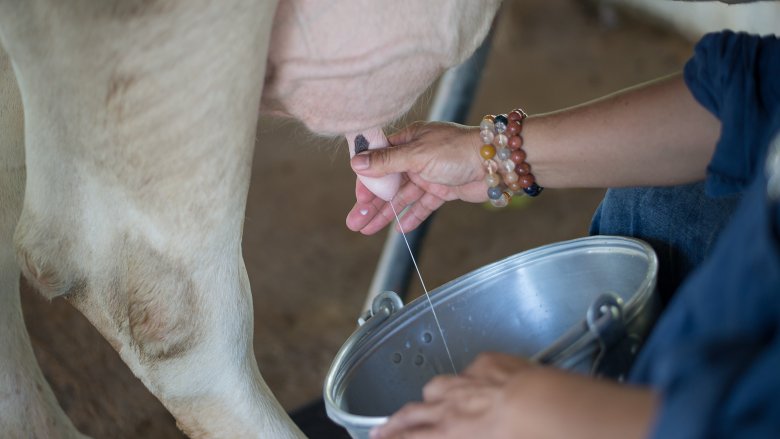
(310, 274)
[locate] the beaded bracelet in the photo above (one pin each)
(510, 173)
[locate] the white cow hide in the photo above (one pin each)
(139, 126)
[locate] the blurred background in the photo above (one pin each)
(310, 274)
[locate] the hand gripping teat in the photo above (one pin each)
(383, 187)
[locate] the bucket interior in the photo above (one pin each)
(518, 306)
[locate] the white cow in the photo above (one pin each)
(136, 138)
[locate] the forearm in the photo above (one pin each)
(554, 404)
(655, 134)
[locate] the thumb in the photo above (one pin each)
(382, 161)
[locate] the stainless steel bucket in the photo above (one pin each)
(584, 305)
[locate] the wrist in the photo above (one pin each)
(508, 171)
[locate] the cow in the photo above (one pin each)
(126, 138)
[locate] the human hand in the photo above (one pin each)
(439, 162)
(501, 396)
(476, 403)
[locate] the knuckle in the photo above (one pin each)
(380, 158)
(485, 360)
(437, 386)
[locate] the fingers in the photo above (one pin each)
(453, 407)
(420, 211)
(365, 209)
(440, 385)
(496, 367)
(397, 158)
(413, 416)
(372, 216)
(363, 214)
(384, 161)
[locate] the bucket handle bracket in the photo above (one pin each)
(605, 318)
(385, 303)
(605, 321)
(604, 324)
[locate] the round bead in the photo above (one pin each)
(515, 116)
(492, 180)
(494, 193)
(515, 186)
(508, 165)
(513, 128)
(487, 151)
(503, 154)
(486, 124)
(489, 117)
(510, 177)
(526, 180)
(523, 168)
(533, 190)
(501, 119)
(491, 166)
(515, 142)
(502, 201)
(517, 156)
(486, 136)
(500, 126)
(500, 140)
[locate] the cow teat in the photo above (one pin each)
(383, 187)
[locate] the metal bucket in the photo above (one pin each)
(584, 305)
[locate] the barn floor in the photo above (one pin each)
(309, 273)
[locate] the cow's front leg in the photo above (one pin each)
(28, 408)
(140, 124)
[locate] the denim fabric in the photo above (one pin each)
(714, 355)
(681, 223)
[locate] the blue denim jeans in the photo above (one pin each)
(680, 222)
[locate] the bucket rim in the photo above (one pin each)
(340, 365)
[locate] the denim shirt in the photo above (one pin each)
(714, 355)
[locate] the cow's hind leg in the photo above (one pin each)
(140, 125)
(28, 408)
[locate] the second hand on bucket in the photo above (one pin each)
(428, 296)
